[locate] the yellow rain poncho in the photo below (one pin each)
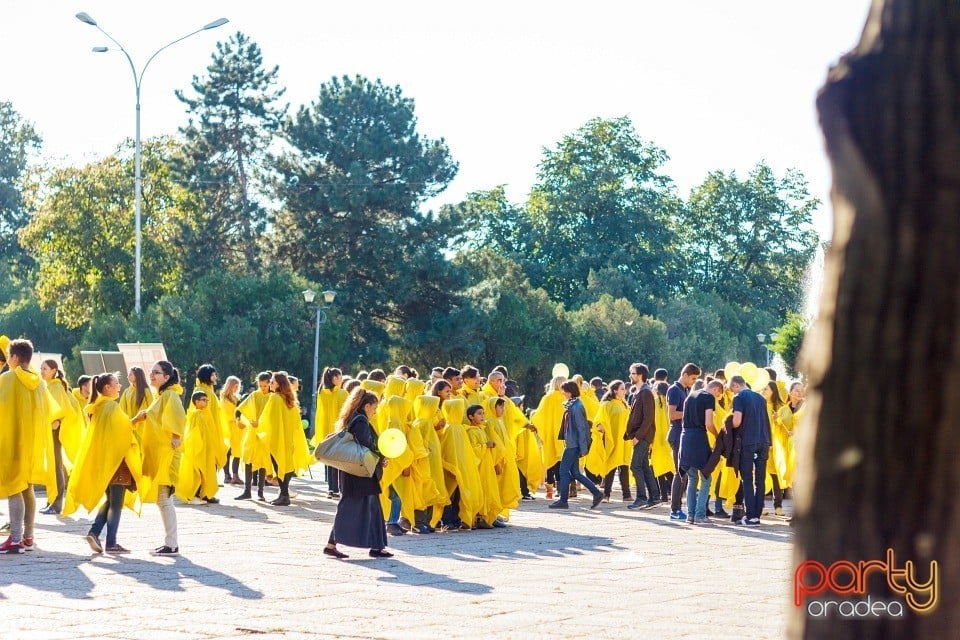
(504, 456)
(26, 441)
(232, 431)
(214, 411)
(528, 443)
(416, 489)
(413, 389)
(373, 386)
(72, 422)
(490, 507)
(203, 454)
(81, 402)
(256, 449)
(284, 435)
(788, 423)
(395, 386)
(470, 396)
(613, 414)
(329, 404)
(661, 457)
(729, 478)
(108, 441)
(460, 464)
(166, 421)
(547, 420)
(393, 413)
(128, 400)
(433, 489)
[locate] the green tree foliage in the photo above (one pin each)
(18, 140)
(233, 118)
(789, 339)
(351, 186)
(751, 240)
(82, 235)
(609, 334)
(521, 327)
(24, 318)
(600, 205)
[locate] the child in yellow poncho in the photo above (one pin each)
(483, 448)
(504, 457)
(202, 454)
(109, 463)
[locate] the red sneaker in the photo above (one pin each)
(27, 544)
(9, 546)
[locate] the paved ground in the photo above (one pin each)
(249, 569)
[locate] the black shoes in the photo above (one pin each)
(597, 499)
(380, 553)
(334, 553)
(559, 504)
(244, 496)
(282, 501)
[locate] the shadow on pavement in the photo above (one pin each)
(402, 573)
(59, 572)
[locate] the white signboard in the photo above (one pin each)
(142, 354)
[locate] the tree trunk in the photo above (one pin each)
(880, 461)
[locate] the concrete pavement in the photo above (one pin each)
(252, 570)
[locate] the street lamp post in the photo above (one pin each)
(308, 297)
(137, 83)
(762, 339)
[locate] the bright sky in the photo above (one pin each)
(719, 84)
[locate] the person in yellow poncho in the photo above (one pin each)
(504, 457)
(546, 419)
(483, 446)
(68, 427)
(776, 463)
(109, 463)
(470, 391)
(138, 396)
(791, 416)
(429, 421)
(612, 415)
(202, 444)
(26, 443)
(232, 433)
(330, 400)
(206, 380)
(165, 425)
(81, 393)
(280, 421)
(394, 412)
(255, 451)
(460, 465)
(530, 467)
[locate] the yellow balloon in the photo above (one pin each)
(392, 443)
(748, 370)
(760, 380)
(560, 369)
(732, 369)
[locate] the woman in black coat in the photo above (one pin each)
(359, 520)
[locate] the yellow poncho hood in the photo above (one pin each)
(426, 407)
(413, 389)
(394, 387)
(26, 441)
(373, 386)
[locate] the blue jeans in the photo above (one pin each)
(569, 470)
(679, 482)
(109, 514)
(753, 473)
(394, 507)
(640, 466)
(697, 499)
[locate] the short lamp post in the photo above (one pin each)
(762, 339)
(308, 296)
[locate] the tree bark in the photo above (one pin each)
(880, 461)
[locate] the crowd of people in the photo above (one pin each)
(473, 452)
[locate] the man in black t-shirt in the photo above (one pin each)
(750, 417)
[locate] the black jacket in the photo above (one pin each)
(730, 446)
(355, 486)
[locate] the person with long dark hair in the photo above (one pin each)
(138, 396)
(359, 519)
(165, 425)
(109, 463)
(68, 427)
(280, 423)
(330, 400)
